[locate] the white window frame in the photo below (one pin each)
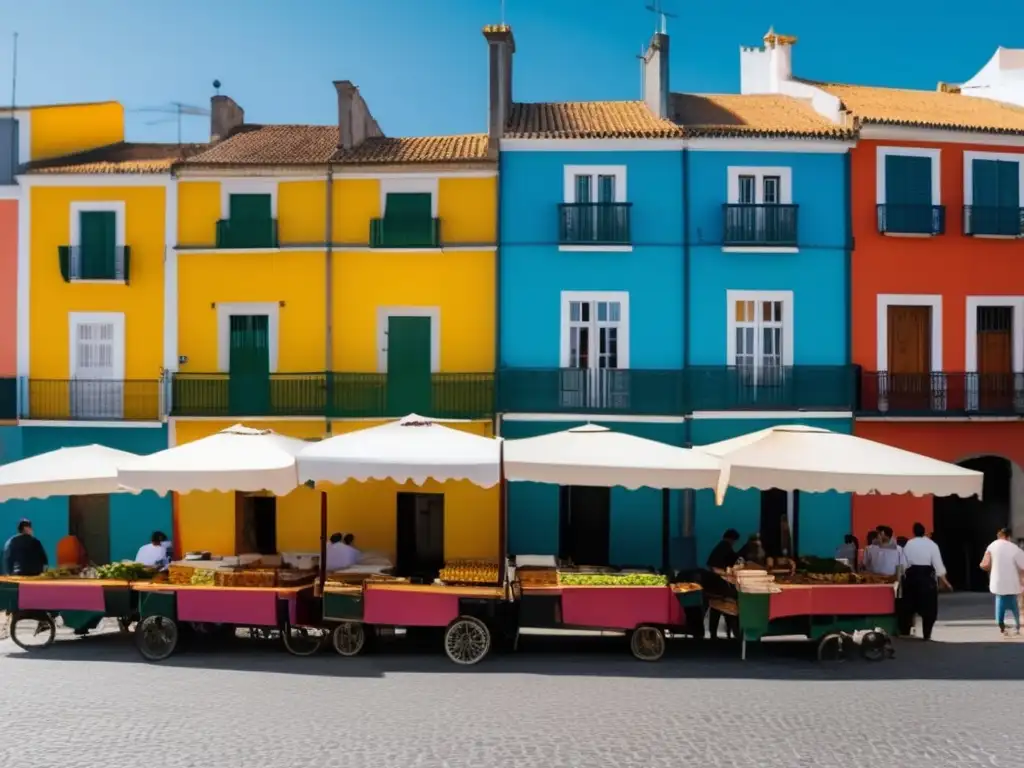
(570, 172)
(785, 175)
(117, 207)
(406, 185)
(384, 313)
(247, 187)
(225, 311)
(786, 297)
(84, 318)
(622, 297)
(883, 152)
(886, 300)
(1005, 157)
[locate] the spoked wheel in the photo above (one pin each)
(349, 638)
(33, 631)
(832, 648)
(647, 643)
(303, 641)
(157, 637)
(467, 640)
(873, 646)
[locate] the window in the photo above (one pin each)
(97, 365)
(97, 249)
(908, 191)
(992, 194)
(995, 354)
(595, 350)
(595, 184)
(595, 214)
(771, 191)
(760, 186)
(760, 343)
(248, 214)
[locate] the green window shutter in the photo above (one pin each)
(250, 207)
(1008, 183)
(606, 189)
(409, 374)
(408, 220)
(583, 189)
(408, 206)
(985, 184)
(908, 180)
(97, 240)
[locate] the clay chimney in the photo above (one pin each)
(225, 116)
(501, 46)
(355, 123)
(656, 86)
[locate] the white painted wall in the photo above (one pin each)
(1001, 79)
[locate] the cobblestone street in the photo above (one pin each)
(558, 702)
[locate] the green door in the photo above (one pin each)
(908, 194)
(251, 224)
(408, 220)
(98, 238)
(249, 377)
(409, 389)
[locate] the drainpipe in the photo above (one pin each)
(848, 243)
(329, 294)
(688, 510)
(497, 298)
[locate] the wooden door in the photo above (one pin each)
(409, 366)
(995, 385)
(908, 384)
(249, 365)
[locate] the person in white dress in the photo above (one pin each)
(1004, 562)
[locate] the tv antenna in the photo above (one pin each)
(663, 16)
(173, 112)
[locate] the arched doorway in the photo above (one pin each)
(965, 527)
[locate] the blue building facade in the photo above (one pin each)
(130, 519)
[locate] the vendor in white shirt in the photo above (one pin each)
(154, 554)
(884, 557)
(340, 553)
(925, 571)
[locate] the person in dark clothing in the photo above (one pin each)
(24, 554)
(753, 551)
(925, 571)
(722, 557)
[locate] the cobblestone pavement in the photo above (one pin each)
(558, 702)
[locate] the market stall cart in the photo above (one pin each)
(647, 606)
(468, 601)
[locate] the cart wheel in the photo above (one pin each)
(349, 638)
(647, 643)
(873, 645)
(33, 631)
(157, 637)
(831, 648)
(302, 641)
(467, 640)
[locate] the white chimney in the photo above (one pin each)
(767, 69)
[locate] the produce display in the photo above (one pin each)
(611, 579)
(245, 577)
(470, 572)
(686, 587)
(537, 577)
(124, 572)
(61, 573)
(180, 574)
(201, 577)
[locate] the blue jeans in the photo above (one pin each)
(1006, 603)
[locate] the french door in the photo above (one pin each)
(593, 378)
(97, 370)
(759, 337)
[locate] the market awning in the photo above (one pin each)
(800, 458)
(595, 455)
(234, 459)
(77, 471)
(414, 448)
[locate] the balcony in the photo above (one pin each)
(79, 263)
(760, 226)
(941, 394)
(993, 221)
(8, 398)
(602, 224)
(247, 233)
(93, 400)
(332, 395)
(590, 390)
(401, 232)
(772, 388)
(921, 220)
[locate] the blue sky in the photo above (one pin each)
(421, 64)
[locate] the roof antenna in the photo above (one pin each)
(216, 87)
(662, 14)
(15, 159)
(503, 13)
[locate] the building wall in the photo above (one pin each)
(816, 275)
(206, 521)
(133, 518)
(67, 128)
(8, 287)
(824, 517)
(533, 508)
(534, 271)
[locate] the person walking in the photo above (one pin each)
(925, 571)
(24, 554)
(1004, 562)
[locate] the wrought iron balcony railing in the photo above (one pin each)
(594, 223)
(941, 394)
(587, 390)
(772, 388)
(993, 221)
(894, 219)
(767, 225)
(78, 262)
(93, 399)
(405, 233)
(247, 233)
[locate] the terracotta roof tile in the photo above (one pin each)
(423, 149)
(926, 109)
(123, 157)
(273, 145)
(588, 120)
(751, 115)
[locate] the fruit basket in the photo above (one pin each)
(470, 572)
(537, 578)
(606, 579)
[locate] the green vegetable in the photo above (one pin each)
(124, 572)
(612, 579)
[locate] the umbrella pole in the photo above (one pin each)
(175, 527)
(666, 534)
(323, 540)
(502, 515)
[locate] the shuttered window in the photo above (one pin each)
(96, 255)
(908, 180)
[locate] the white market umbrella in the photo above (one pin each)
(235, 459)
(800, 458)
(65, 472)
(597, 456)
(414, 448)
